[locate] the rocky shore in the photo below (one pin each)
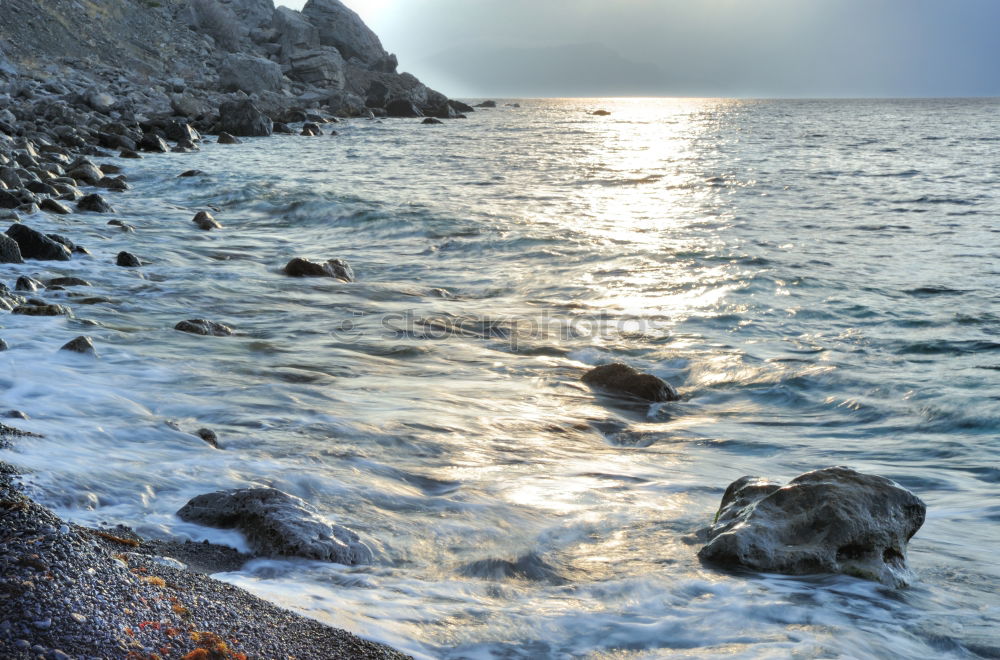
(82, 81)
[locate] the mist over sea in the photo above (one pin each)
(819, 279)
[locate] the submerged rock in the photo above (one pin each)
(834, 520)
(277, 524)
(82, 345)
(226, 138)
(25, 283)
(128, 260)
(54, 206)
(95, 203)
(336, 268)
(209, 436)
(204, 327)
(623, 379)
(600, 113)
(35, 309)
(205, 221)
(432, 120)
(36, 245)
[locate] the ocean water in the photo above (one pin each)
(819, 279)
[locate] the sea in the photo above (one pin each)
(820, 279)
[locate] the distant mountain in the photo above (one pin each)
(590, 69)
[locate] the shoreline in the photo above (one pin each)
(71, 591)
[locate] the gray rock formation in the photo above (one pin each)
(293, 32)
(834, 520)
(344, 30)
(277, 524)
(623, 379)
(241, 117)
(322, 67)
(253, 13)
(250, 74)
(10, 251)
(82, 345)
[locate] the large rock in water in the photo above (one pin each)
(276, 523)
(249, 74)
(834, 520)
(344, 30)
(36, 245)
(10, 251)
(623, 379)
(335, 268)
(242, 117)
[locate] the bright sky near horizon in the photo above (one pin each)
(693, 47)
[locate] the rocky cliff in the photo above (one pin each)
(183, 58)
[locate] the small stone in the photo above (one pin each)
(82, 345)
(15, 414)
(205, 221)
(79, 618)
(44, 624)
(64, 529)
(22, 644)
(209, 436)
(204, 327)
(128, 260)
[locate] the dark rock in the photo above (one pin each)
(190, 173)
(68, 281)
(86, 171)
(178, 131)
(94, 203)
(623, 379)
(52, 206)
(600, 113)
(487, 104)
(834, 520)
(432, 120)
(280, 127)
(129, 153)
(36, 245)
(323, 67)
(3, 346)
(209, 436)
(458, 106)
(124, 226)
(9, 200)
(10, 251)
(203, 327)
(402, 108)
(15, 414)
(113, 183)
(277, 524)
(311, 129)
(62, 240)
(82, 345)
(336, 268)
(226, 138)
(205, 221)
(153, 143)
(128, 260)
(39, 310)
(25, 283)
(241, 117)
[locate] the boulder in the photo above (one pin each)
(192, 107)
(293, 32)
(205, 221)
(68, 281)
(179, 131)
(10, 251)
(209, 436)
(25, 283)
(623, 379)
(54, 206)
(431, 121)
(311, 129)
(402, 108)
(204, 327)
(344, 30)
(253, 13)
(128, 260)
(226, 138)
(322, 68)
(336, 268)
(277, 524)
(36, 245)
(487, 104)
(458, 106)
(241, 117)
(94, 203)
(834, 520)
(189, 173)
(85, 171)
(346, 104)
(153, 143)
(42, 309)
(250, 74)
(82, 345)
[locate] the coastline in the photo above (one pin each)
(70, 591)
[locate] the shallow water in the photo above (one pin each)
(818, 279)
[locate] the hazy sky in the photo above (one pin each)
(693, 47)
